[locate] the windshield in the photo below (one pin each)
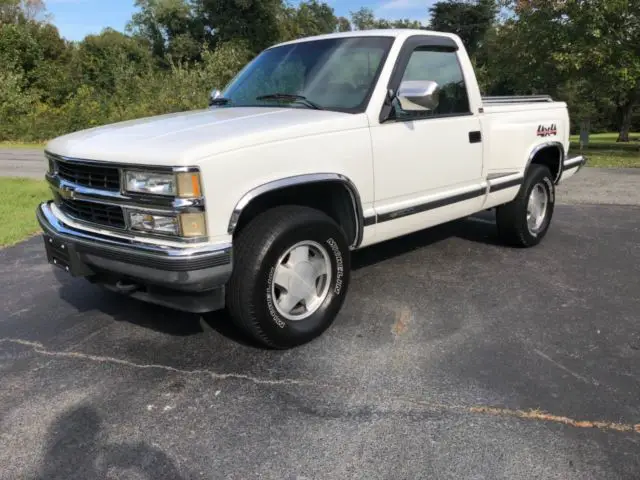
(332, 74)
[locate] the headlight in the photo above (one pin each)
(183, 184)
(149, 222)
(150, 182)
(184, 224)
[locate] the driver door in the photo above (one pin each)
(427, 164)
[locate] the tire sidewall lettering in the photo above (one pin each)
(337, 254)
(270, 306)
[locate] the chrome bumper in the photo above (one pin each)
(571, 166)
(150, 268)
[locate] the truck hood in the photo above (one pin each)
(189, 137)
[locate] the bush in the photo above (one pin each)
(15, 104)
(132, 92)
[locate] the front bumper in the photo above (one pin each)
(189, 278)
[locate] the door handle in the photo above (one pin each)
(475, 137)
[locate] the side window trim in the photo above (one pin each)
(412, 44)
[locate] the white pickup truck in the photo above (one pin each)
(317, 147)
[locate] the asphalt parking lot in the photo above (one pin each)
(454, 357)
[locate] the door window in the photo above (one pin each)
(443, 68)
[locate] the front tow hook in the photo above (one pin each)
(127, 288)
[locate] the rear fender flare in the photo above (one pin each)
(541, 146)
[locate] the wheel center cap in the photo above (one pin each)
(305, 281)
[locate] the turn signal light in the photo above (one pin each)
(189, 184)
(193, 225)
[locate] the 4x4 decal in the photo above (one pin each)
(547, 131)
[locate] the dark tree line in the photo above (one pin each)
(586, 52)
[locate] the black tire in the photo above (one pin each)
(257, 249)
(511, 218)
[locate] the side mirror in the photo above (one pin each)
(418, 95)
(215, 93)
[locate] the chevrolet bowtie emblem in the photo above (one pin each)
(66, 193)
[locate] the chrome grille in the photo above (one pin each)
(88, 175)
(107, 215)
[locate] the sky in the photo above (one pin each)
(77, 18)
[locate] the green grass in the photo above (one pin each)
(609, 158)
(604, 151)
(607, 141)
(20, 196)
(609, 137)
(21, 145)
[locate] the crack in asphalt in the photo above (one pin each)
(562, 367)
(41, 349)
(544, 416)
(532, 414)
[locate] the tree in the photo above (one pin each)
(35, 51)
(596, 40)
(344, 25)
(20, 11)
(469, 20)
(365, 19)
(315, 18)
(256, 21)
(309, 18)
(172, 27)
(101, 58)
(406, 23)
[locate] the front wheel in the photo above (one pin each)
(524, 221)
(290, 277)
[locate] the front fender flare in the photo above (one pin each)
(297, 180)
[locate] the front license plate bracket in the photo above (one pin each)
(63, 255)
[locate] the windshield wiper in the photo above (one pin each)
(290, 96)
(219, 101)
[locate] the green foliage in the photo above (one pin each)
(101, 60)
(172, 28)
(18, 11)
(15, 103)
(51, 87)
(256, 21)
(309, 18)
(36, 52)
(469, 20)
(222, 64)
(365, 19)
(130, 94)
(344, 25)
(585, 52)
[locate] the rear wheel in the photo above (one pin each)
(524, 221)
(290, 278)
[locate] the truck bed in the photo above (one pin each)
(516, 99)
(524, 103)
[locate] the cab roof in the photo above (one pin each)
(392, 32)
